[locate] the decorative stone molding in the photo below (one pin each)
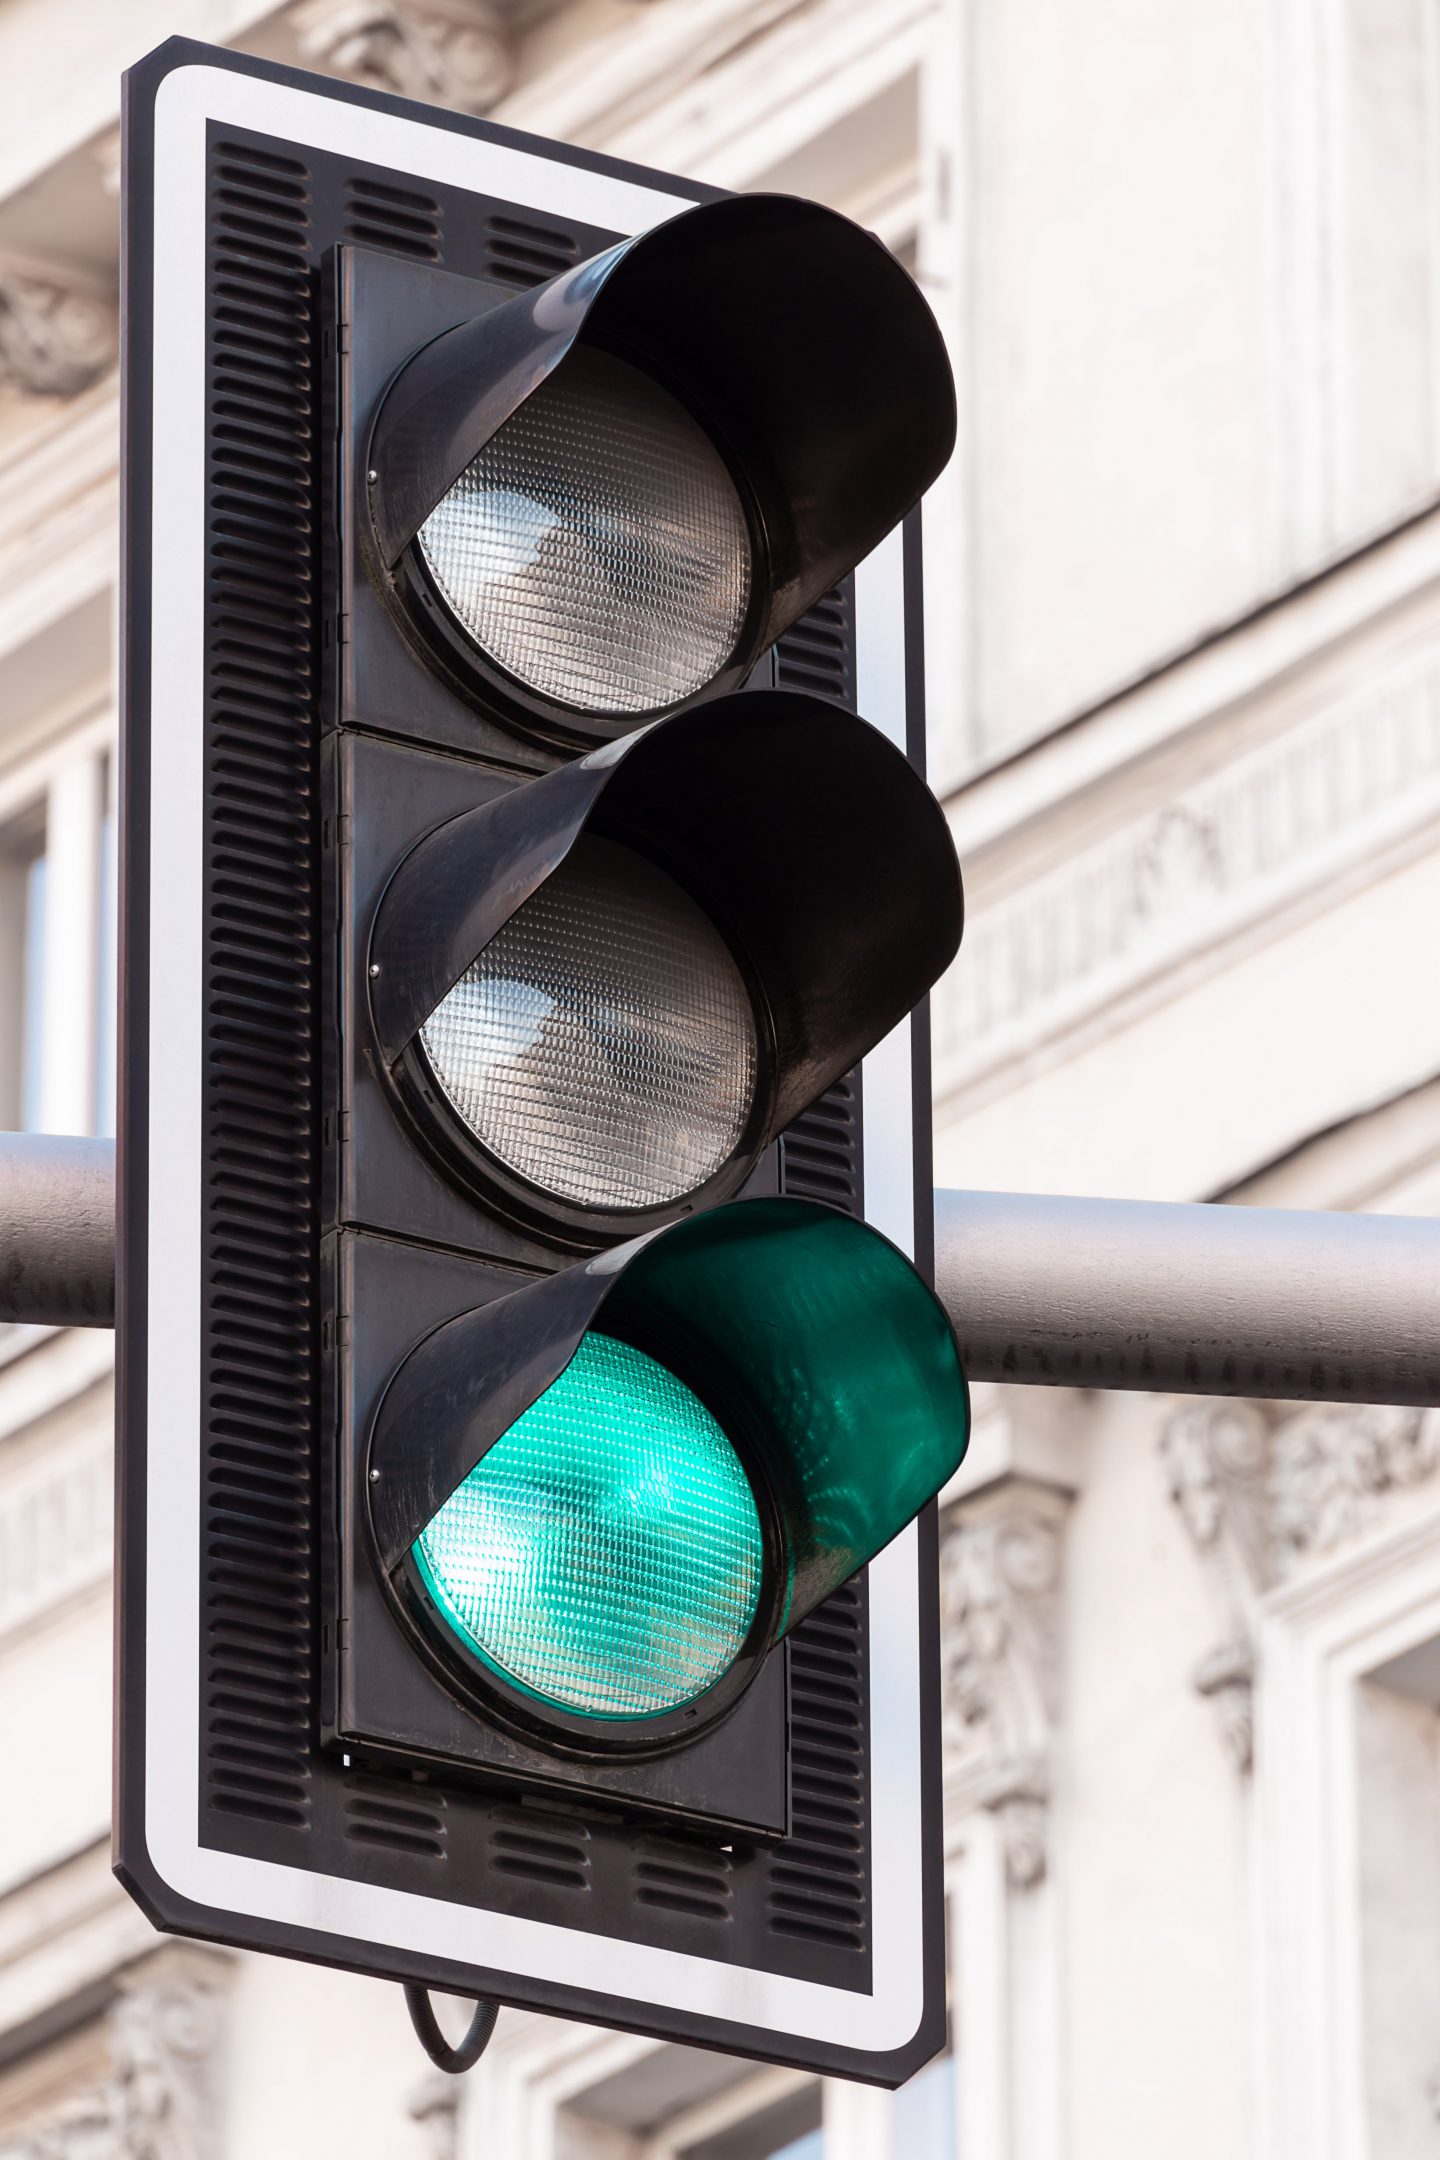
(445, 52)
(55, 1524)
(436, 2107)
(161, 2097)
(1259, 1493)
(1271, 824)
(1330, 1468)
(54, 340)
(1216, 1457)
(1226, 1678)
(1000, 1573)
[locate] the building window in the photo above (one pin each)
(58, 985)
(57, 945)
(22, 970)
(108, 956)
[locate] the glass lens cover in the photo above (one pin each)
(606, 1554)
(603, 1046)
(596, 549)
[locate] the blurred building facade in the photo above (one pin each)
(1184, 626)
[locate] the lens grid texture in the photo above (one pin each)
(606, 1554)
(603, 1045)
(596, 548)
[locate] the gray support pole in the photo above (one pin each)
(1192, 1300)
(1181, 1299)
(57, 1230)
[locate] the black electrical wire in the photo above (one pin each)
(437, 2047)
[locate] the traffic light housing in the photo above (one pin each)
(530, 1018)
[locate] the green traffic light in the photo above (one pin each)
(605, 1555)
(831, 1352)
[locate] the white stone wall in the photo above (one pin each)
(1184, 632)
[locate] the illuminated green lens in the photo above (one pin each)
(605, 1554)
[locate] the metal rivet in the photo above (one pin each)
(372, 477)
(374, 1477)
(374, 967)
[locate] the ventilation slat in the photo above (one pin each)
(817, 1888)
(400, 219)
(676, 1875)
(820, 1152)
(260, 1224)
(395, 1815)
(815, 653)
(523, 252)
(541, 1847)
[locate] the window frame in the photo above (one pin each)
(66, 786)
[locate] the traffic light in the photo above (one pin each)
(525, 1127)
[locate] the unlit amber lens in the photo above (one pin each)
(603, 1045)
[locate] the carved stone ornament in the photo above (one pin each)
(161, 2099)
(54, 342)
(436, 2107)
(444, 52)
(1000, 1568)
(1226, 1678)
(1330, 1468)
(1260, 1494)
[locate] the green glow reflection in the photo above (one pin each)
(605, 1554)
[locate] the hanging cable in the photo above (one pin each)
(467, 2053)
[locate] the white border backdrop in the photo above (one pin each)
(189, 99)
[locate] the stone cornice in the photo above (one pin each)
(66, 454)
(81, 99)
(1263, 813)
(722, 88)
(64, 1934)
(601, 86)
(56, 1535)
(61, 485)
(1231, 668)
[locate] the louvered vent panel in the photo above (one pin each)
(677, 1876)
(820, 1152)
(518, 252)
(395, 1815)
(817, 1890)
(260, 1223)
(816, 653)
(400, 219)
(541, 1846)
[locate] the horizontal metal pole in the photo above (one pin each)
(57, 1230)
(1181, 1299)
(1192, 1300)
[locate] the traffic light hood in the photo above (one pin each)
(794, 338)
(820, 1351)
(798, 829)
